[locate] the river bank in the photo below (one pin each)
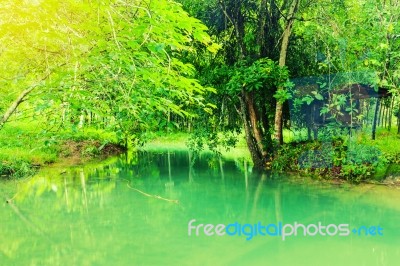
(24, 149)
(337, 161)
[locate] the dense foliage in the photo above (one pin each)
(117, 63)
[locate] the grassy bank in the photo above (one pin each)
(25, 147)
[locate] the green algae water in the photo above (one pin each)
(162, 208)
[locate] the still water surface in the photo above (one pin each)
(124, 211)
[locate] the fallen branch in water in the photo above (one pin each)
(149, 195)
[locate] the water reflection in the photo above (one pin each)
(134, 209)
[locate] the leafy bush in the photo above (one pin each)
(285, 159)
(17, 169)
(356, 172)
(320, 157)
(352, 162)
(361, 162)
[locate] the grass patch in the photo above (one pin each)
(386, 141)
(175, 141)
(25, 146)
(178, 141)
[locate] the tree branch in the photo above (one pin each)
(19, 100)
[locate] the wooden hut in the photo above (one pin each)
(347, 106)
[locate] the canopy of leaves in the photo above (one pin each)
(121, 60)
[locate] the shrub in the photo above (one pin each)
(17, 169)
(350, 161)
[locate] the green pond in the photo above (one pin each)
(135, 209)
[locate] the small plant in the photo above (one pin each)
(90, 151)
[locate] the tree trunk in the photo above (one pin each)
(385, 116)
(267, 139)
(254, 121)
(375, 119)
(278, 123)
(380, 114)
(282, 62)
(368, 107)
(398, 121)
(261, 40)
(254, 148)
(391, 114)
(14, 106)
(19, 100)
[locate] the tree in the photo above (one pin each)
(37, 41)
(138, 80)
(251, 85)
(282, 62)
(121, 60)
(252, 33)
